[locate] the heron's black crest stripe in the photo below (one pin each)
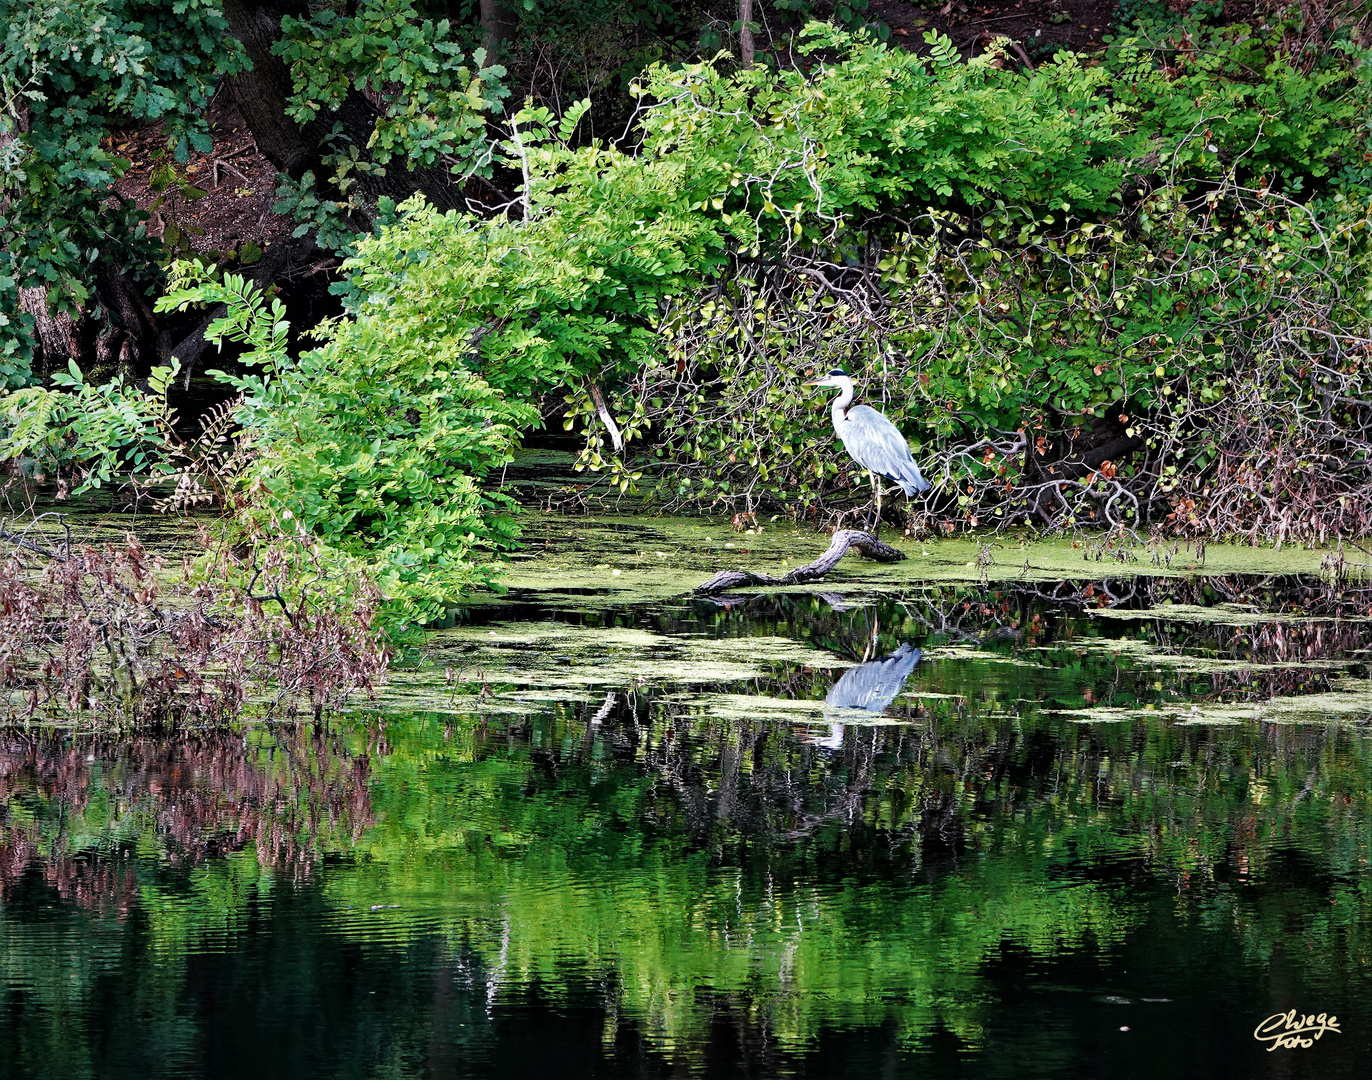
(838, 371)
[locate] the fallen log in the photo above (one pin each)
(864, 543)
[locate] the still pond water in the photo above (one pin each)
(1021, 828)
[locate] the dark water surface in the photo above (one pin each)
(1032, 837)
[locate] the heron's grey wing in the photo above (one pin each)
(877, 444)
(874, 685)
(905, 659)
(873, 441)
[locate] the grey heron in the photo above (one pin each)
(871, 440)
(869, 687)
(874, 685)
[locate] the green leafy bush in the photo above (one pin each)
(761, 161)
(885, 129)
(571, 288)
(374, 444)
(1209, 101)
(90, 434)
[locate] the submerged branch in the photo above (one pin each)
(864, 543)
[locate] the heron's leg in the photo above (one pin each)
(876, 487)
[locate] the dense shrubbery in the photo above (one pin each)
(430, 106)
(1073, 287)
(1197, 362)
(373, 444)
(1123, 291)
(1191, 355)
(108, 633)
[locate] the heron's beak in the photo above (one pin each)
(813, 382)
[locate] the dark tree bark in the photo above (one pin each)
(497, 25)
(58, 339)
(1077, 461)
(864, 543)
(262, 95)
(128, 338)
(1072, 454)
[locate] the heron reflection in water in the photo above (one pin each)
(869, 687)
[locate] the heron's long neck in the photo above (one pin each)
(841, 403)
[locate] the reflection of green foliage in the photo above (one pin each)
(268, 803)
(683, 857)
(590, 868)
(570, 873)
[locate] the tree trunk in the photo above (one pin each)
(497, 25)
(262, 92)
(746, 48)
(57, 338)
(262, 95)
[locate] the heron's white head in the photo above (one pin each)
(837, 379)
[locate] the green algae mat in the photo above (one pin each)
(627, 559)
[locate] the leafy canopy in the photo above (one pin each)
(68, 70)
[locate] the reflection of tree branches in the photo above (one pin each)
(1313, 623)
(909, 795)
(195, 797)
